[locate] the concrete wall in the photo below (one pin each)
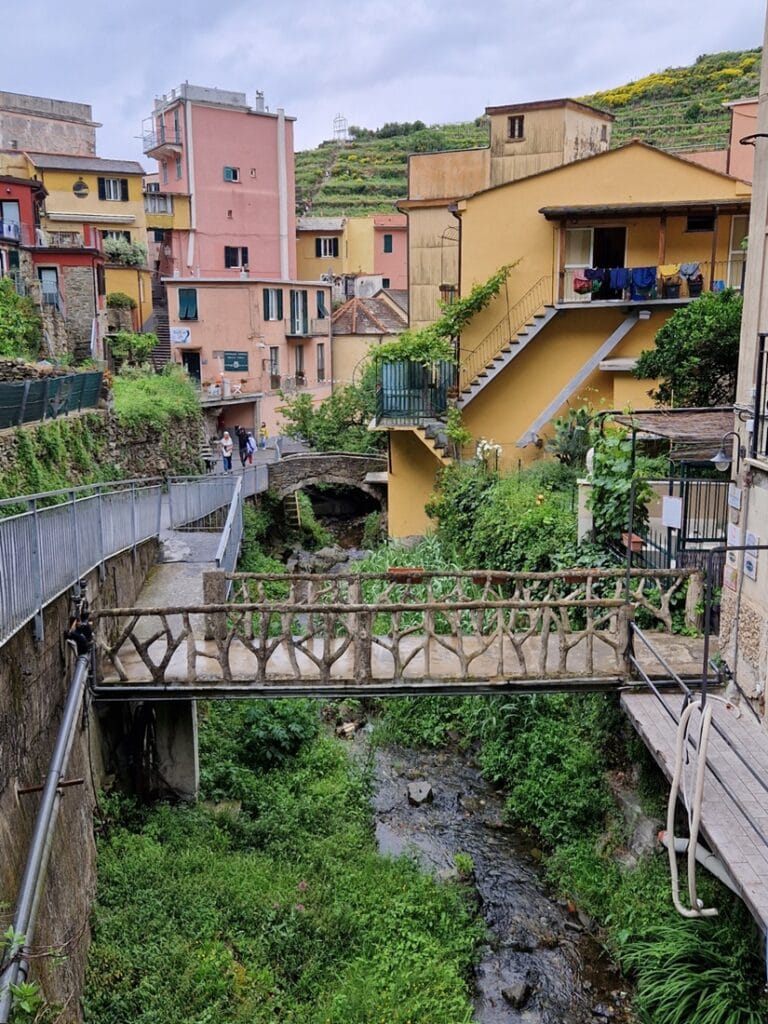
(412, 478)
(46, 125)
(33, 684)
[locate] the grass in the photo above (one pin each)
(143, 396)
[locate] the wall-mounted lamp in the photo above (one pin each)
(723, 460)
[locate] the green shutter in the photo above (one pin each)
(102, 188)
(187, 304)
(387, 243)
(267, 307)
(279, 303)
(335, 246)
(124, 189)
(304, 313)
(318, 248)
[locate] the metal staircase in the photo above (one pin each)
(508, 338)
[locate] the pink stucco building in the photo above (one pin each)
(736, 159)
(390, 249)
(235, 163)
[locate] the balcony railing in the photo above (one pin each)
(161, 136)
(274, 381)
(410, 392)
(50, 298)
(702, 276)
(10, 230)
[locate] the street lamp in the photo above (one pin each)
(723, 460)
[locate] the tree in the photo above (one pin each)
(133, 349)
(20, 325)
(340, 422)
(697, 353)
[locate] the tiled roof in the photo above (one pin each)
(367, 316)
(60, 162)
(399, 296)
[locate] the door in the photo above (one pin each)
(191, 363)
(609, 250)
(737, 253)
(578, 256)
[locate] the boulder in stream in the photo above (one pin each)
(420, 793)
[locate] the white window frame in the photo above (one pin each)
(737, 256)
(326, 246)
(113, 185)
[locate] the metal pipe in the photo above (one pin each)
(34, 869)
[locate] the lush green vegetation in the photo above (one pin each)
(142, 396)
(276, 907)
(339, 422)
(131, 348)
(696, 353)
(21, 328)
(676, 108)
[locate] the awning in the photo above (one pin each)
(618, 211)
(693, 433)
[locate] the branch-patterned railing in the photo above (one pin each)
(407, 624)
(506, 330)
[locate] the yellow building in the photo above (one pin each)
(89, 196)
(603, 249)
(361, 324)
(348, 247)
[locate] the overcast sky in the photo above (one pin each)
(372, 62)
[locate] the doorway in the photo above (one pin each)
(608, 250)
(191, 363)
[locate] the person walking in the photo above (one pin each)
(226, 451)
(251, 446)
(263, 435)
(242, 444)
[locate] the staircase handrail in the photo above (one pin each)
(513, 321)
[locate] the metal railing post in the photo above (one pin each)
(133, 516)
(102, 541)
(37, 574)
(75, 535)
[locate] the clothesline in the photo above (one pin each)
(640, 281)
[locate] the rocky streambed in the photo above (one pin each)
(542, 963)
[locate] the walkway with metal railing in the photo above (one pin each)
(734, 808)
(50, 541)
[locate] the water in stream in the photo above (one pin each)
(538, 952)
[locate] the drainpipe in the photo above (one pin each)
(282, 194)
(190, 182)
(15, 965)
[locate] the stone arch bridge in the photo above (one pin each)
(365, 472)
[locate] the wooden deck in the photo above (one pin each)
(735, 824)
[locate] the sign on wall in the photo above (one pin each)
(180, 335)
(235, 360)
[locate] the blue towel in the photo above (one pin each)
(644, 278)
(619, 278)
(689, 269)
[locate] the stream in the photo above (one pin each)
(541, 964)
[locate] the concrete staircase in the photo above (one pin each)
(158, 323)
(432, 434)
(480, 369)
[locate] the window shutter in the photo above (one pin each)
(322, 313)
(124, 189)
(280, 304)
(267, 305)
(229, 260)
(294, 315)
(244, 256)
(335, 246)
(192, 303)
(304, 313)
(182, 303)
(102, 188)
(318, 247)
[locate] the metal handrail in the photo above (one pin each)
(232, 534)
(506, 330)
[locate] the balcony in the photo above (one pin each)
(159, 140)
(676, 289)
(409, 393)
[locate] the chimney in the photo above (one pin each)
(259, 104)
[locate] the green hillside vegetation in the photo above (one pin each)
(676, 109)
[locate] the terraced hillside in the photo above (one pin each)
(676, 109)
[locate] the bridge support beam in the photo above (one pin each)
(178, 765)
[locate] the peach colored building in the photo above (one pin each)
(250, 341)
(736, 159)
(234, 162)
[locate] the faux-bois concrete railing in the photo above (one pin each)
(411, 626)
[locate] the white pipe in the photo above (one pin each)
(707, 859)
(282, 192)
(697, 909)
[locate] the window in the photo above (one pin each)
(448, 293)
(299, 312)
(231, 174)
(155, 203)
(737, 253)
(152, 186)
(326, 246)
(387, 243)
(115, 189)
(274, 367)
(515, 127)
(696, 222)
(116, 236)
(49, 286)
(187, 303)
(273, 303)
(604, 133)
(385, 282)
(235, 256)
(322, 309)
(321, 361)
(164, 166)
(178, 167)
(158, 235)
(10, 220)
(299, 360)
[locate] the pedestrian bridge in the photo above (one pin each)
(398, 632)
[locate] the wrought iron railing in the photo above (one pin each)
(161, 136)
(506, 330)
(470, 626)
(412, 392)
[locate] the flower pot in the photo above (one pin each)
(634, 543)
